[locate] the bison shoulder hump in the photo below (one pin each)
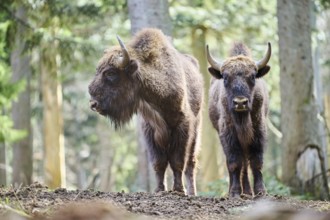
(149, 43)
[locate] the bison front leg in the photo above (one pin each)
(159, 165)
(234, 165)
(157, 156)
(234, 159)
(256, 162)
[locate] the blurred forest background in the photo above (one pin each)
(48, 54)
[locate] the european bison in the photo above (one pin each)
(238, 107)
(151, 78)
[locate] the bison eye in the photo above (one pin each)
(110, 75)
(253, 77)
(225, 79)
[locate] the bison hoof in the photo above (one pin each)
(247, 192)
(260, 191)
(160, 189)
(178, 189)
(234, 194)
(191, 192)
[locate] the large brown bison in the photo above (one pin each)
(151, 78)
(238, 107)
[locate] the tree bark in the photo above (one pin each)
(21, 109)
(299, 123)
(54, 163)
(147, 13)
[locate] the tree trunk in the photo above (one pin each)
(210, 141)
(107, 156)
(147, 13)
(21, 109)
(302, 156)
(54, 163)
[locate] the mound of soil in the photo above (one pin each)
(39, 202)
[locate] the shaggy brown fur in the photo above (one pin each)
(241, 127)
(165, 88)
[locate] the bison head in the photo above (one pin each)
(239, 74)
(114, 89)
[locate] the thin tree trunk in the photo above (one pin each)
(54, 163)
(21, 109)
(210, 143)
(147, 13)
(301, 143)
(319, 89)
(143, 165)
(327, 117)
(3, 173)
(324, 26)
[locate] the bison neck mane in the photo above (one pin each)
(121, 115)
(156, 121)
(243, 127)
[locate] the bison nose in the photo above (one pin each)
(240, 103)
(93, 104)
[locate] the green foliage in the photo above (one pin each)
(8, 91)
(220, 187)
(216, 188)
(275, 187)
(325, 3)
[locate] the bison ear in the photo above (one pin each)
(132, 67)
(263, 71)
(216, 73)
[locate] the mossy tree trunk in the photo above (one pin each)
(302, 155)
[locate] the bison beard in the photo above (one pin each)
(151, 78)
(238, 107)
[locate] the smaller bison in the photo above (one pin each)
(238, 107)
(151, 78)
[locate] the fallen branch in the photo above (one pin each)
(322, 163)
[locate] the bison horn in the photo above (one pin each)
(263, 62)
(215, 64)
(125, 59)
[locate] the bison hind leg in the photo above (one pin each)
(190, 176)
(190, 168)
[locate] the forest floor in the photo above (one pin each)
(38, 202)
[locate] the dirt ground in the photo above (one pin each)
(38, 202)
